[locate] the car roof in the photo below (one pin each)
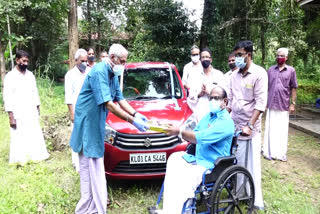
(133, 65)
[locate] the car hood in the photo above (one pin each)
(162, 110)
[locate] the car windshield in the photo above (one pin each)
(150, 83)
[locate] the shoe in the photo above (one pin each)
(154, 210)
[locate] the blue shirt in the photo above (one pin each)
(99, 87)
(214, 135)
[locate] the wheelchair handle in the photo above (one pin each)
(238, 133)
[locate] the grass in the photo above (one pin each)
(52, 186)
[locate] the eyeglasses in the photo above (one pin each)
(84, 61)
(215, 98)
(240, 54)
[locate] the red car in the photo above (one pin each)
(155, 90)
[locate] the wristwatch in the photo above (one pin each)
(250, 125)
(293, 102)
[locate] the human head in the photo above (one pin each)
(243, 53)
(205, 57)
(81, 58)
(103, 55)
(118, 54)
(91, 57)
(218, 99)
(282, 55)
(231, 61)
(195, 54)
(22, 60)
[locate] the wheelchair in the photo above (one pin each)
(227, 188)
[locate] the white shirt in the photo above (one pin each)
(227, 79)
(20, 94)
(190, 69)
(73, 83)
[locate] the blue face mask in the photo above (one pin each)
(214, 106)
(118, 70)
(240, 63)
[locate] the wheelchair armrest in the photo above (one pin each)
(221, 164)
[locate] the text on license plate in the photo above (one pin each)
(140, 158)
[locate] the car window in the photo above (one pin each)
(151, 83)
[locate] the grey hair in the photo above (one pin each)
(194, 47)
(284, 50)
(80, 52)
(117, 50)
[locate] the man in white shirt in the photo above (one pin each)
(193, 67)
(233, 69)
(91, 58)
(21, 101)
(73, 83)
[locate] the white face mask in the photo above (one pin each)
(195, 59)
(214, 106)
(118, 70)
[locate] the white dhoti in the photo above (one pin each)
(75, 157)
(252, 164)
(181, 181)
(27, 142)
(93, 186)
(276, 135)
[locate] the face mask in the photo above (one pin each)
(22, 67)
(91, 58)
(118, 70)
(281, 60)
(232, 66)
(103, 59)
(205, 63)
(195, 59)
(240, 63)
(214, 106)
(82, 66)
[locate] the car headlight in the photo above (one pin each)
(110, 134)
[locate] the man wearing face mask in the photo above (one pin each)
(103, 56)
(247, 101)
(21, 101)
(282, 85)
(233, 69)
(192, 68)
(97, 96)
(73, 81)
(213, 137)
(203, 82)
(91, 58)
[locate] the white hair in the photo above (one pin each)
(283, 50)
(80, 52)
(117, 50)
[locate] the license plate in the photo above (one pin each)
(141, 158)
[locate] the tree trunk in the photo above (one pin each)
(263, 44)
(89, 25)
(207, 11)
(98, 29)
(72, 31)
(2, 63)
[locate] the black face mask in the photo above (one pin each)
(91, 58)
(22, 67)
(205, 63)
(232, 65)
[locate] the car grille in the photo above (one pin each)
(153, 141)
(127, 168)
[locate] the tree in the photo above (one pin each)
(72, 31)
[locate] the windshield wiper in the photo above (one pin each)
(145, 98)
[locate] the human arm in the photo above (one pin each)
(12, 121)
(71, 114)
(186, 135)
(293, 100)
(246, 130)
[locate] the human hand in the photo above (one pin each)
(140, 116)
(140, 124)
(172, 130)
(13, 123)
(246, 131)
(291, 108)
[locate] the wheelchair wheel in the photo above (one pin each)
(233, 192)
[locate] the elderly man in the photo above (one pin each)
(213, 137)
(202, 83)
(99, 92)
(282, 85)
(192, 68)
(72, 85)
(248, 100)
(21, 101)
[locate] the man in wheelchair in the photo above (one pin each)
(213, 136)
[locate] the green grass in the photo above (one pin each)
(52, 186)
